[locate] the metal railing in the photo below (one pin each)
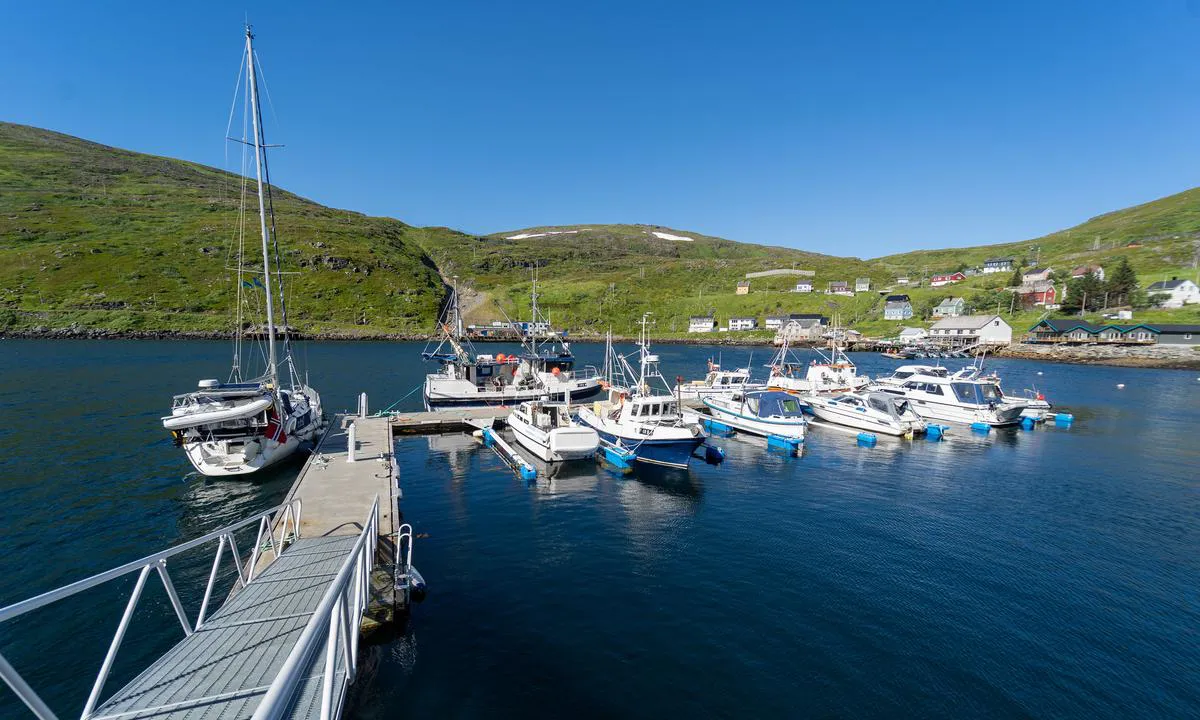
(277, 519)
(334, 624)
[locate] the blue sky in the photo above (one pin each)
(850, 128)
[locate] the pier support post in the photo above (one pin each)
(362, 405)
(351, 443)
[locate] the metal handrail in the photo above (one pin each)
(279, 517)
(335, 621)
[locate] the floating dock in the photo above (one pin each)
(447, 420)
(322, 570)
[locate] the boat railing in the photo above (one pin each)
(334, 624)
(278, 528)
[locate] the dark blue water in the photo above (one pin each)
(1052, 573)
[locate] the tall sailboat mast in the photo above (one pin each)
(272, 369)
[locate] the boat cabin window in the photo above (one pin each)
(901, 374)
(790, 406)
(990, 392)
(725, 381)
(965, 392)
(878, 404)
(738, 380)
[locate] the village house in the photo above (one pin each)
(897, 309)
(902, 280)
(862, 285)
(912, 335)
(839, 287)
(970, 330)
(1037, 294)
(775, 322)
(1083, 270)
(1070, 331)
(804, 286)
(940, 280)
(995, 265)
(742, 323)
(1178, 292)
(743, 287)
(802, 328)
(1036, 275)
(950, 307)
(701, 324)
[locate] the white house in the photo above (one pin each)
(1036, 275)
(774, 322)
(1179, 292)
(995, 265)
(803, 286)
(742, 323)
(897, 310)
(912, 335)
(701, 323)
(949, 307)
(902, 280)
(862, 285)
(972, 329)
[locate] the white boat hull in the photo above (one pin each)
(442, 391)
(789, 428)
(849, 417)
(558, 444)
(965, 415)
(224, 458)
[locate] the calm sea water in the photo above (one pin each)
(1052, 573)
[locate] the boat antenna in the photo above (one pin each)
(255, 113)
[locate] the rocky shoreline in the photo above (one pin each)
(1179, 357)
(1182, 357)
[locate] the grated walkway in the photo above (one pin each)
(223, 669)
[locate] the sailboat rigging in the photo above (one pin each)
(241, 426)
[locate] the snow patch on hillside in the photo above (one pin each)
(526, 236)
(669, 236)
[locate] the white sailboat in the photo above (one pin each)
(243, 425)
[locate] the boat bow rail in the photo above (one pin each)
(288, 676)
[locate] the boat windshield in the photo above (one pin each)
(966, 393)
(990, 392)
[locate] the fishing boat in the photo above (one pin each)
(877, 412)
(248, 423)
(470, 378)
(963, 397)
(716, 382)
(548, 431)
(831, 373)
(638, 418)
(760, 412)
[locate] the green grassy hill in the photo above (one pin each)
(101, 237)
(592, 277)
(1165, 237)
(96, 237)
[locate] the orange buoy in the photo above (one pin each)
(555, 372)
(501, 357)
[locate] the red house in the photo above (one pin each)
(1040, 293)
(940, 280)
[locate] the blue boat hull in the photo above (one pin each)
(671, 453)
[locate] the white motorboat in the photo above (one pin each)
(716, 382)
(636, 417)
(549, 432)
(832, 373)
(963, 397)
(877, 412)
(760, 412)
(240, 427)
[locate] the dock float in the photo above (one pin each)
(448, 420)
(312, 574)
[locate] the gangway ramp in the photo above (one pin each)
(283, 644)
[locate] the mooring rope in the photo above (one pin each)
(388, 409)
